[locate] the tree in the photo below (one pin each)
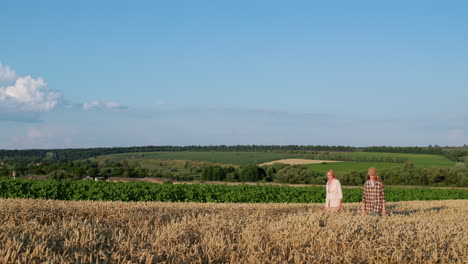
(93, 172)
(50, 157)
(296, 174)
(251, 173)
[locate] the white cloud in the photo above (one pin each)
(45, 137)
(456, 135)
(103, 104)
(6, 74)
(31, 95)
(25, 94)
(34, 133)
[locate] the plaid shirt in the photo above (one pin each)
(373, 197)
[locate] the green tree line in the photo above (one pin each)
(280, 173)
(436, 150)
(412, 175)
(79, 154)
(84, 153)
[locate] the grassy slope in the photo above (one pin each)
(153, 159)
(422, 160)
(239, 158)
(347, 166)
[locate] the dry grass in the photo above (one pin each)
(299, 161)
(38, 231)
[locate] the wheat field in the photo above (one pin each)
(47, 231)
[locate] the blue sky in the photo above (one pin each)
(126, 73)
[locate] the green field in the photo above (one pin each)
(420, 160)
(237, 158)
(341, 167)
(155, 159)
(244, 158)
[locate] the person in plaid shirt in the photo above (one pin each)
(373, 197)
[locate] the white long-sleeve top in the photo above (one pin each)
(334, 193)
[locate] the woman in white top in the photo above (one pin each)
(334, 193)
